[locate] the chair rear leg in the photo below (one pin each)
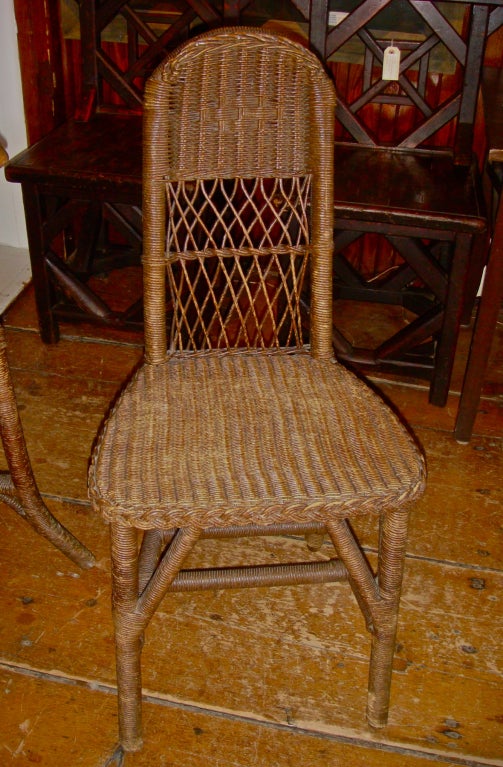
(150, 551)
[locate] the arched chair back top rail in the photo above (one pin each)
(236, 424)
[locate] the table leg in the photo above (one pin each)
(36, 229)
(444, 357)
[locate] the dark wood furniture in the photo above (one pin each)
(417, 192)
(492, 292)
(82, 183)
(79, 183)
(418, 188)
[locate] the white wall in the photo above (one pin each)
(12, 127)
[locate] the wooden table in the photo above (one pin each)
(492, 292)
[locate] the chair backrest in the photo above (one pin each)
(238, 194)
(122, 41)
(439, 49)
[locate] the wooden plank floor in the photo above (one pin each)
(267, 677)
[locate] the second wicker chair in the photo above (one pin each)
(236, 424)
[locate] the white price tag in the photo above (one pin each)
(391, 63)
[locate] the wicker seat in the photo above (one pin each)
(236, 424)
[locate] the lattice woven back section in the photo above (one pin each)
(237, 257)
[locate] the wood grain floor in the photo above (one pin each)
(267, 677)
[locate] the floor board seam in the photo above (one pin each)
(168, 702)
(74, 338)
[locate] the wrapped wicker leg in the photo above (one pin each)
(129, 633)
(392, 542)
(132, 611)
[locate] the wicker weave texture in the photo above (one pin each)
(237, 110)
(236, 423)
(226, 439)
(238, 253)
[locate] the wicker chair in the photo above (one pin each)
(234, 425)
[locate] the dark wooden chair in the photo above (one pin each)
(408, 187)
(410, 218)
(82, 183)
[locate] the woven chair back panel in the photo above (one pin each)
(238, 195)
(242, 114)
(237, 256)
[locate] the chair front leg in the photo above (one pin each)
(128, 633)
(132, 612)
(378, 599)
